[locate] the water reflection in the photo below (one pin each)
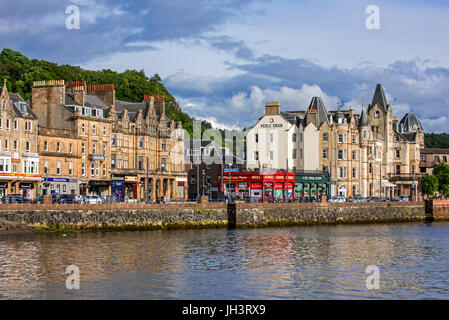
(286, 263)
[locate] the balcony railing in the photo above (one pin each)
(405, 176)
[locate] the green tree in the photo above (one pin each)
(429, 185)
(436, 140)
(441, 172)
(131, 85)
(156, 77)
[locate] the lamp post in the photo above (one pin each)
(202, 186)
(146, 183)
(229, 183)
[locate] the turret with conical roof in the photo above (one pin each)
(363, 119)
(379, 97)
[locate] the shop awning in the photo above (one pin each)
(386, 183)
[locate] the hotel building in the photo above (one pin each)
(340, 152)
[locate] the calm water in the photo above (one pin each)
(276, 263)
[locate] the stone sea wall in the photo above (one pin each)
(202, 215)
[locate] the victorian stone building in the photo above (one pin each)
(19, 159)
(91, 143)
(371, 153)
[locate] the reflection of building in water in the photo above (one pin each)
(21, 270)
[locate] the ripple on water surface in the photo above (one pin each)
(274, 263)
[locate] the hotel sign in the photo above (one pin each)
(271, 125)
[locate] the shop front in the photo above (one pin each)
(55, 185)
(259, 186)
(181, 188)
(19, 183)
(99, 187)
(3, 188)
(311, 184)
(131, 186)
(118, 189)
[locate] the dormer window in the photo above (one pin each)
(377, 114)
(4, 105)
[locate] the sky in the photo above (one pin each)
(223, 59)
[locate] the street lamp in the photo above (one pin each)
(202, 187)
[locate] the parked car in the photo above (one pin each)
(94, 199)
(375, 199)
(403, 198)
(337, 199)
(15, 198)
(357, 198)
(39, 199)
(66, 198)
(80, 199)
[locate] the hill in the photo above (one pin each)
(437, 140)
(131, 85)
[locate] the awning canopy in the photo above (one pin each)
(386, 183)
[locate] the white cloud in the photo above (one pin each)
(243, 109)
(437, 125)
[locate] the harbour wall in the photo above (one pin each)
(65, 217)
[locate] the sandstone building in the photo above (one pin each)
(340, 152)
(91, 143)
(19, 159)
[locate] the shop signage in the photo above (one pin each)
(131, 179)
(26, 185)
(231, 170)
(99, 183)
(97, 157)
(118, 183)
(56, 179)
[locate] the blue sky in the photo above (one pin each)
(223, 59)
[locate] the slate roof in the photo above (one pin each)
(318, 105)
(410, 123)
(69, 101)
(363, 121)
(292, 117)
(434, 151)
(16, 98)
(379, 97)
(94, 101)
